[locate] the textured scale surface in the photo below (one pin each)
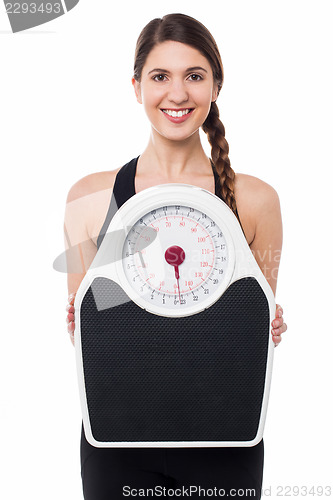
(155, 378)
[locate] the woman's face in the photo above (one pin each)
(176, 78)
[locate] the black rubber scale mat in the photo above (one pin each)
(155, 378)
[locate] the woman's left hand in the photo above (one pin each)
(278, 326)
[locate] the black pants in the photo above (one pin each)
(118, 473)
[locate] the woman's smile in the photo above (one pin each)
(177, 115)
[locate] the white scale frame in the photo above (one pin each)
(108, 263)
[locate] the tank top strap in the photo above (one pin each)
(123, 189)
(216, 177)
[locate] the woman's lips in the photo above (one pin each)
(176, 119)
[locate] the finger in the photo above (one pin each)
(71, 327)
(276, 323)
(71, 335)
(281, 329)
(276, 339)
(70, 317)
(71, 298)
(276, 331)
(70, 308)
(278, 311)
(284, 328)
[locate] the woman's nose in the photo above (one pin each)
(178, 92)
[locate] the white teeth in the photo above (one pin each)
(176, 114)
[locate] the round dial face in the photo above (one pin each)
(175, 257)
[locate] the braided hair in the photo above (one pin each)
(215, 131)
(186, 29)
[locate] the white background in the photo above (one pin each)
(68, 109)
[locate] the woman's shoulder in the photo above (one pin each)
(254, 191)
(88, 201)
(253, 184)
(92, 183)
(254, 197)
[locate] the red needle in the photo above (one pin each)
(178, 288)
(174, 256)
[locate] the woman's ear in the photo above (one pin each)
(137, 89)
(215, 93)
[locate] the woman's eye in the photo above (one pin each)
(197, 77)
(157, 78)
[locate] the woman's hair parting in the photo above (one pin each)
(186, 29)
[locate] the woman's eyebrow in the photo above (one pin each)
(193, 68)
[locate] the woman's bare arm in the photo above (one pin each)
(86, 207)
(267, 244)
(80, 249)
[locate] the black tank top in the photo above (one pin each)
(124, 188)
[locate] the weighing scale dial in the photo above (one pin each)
(175, 258)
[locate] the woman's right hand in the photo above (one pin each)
(70, 319)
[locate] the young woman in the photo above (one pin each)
(178, 75)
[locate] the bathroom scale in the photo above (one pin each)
(172, 337)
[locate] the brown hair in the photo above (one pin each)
(186, 29)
